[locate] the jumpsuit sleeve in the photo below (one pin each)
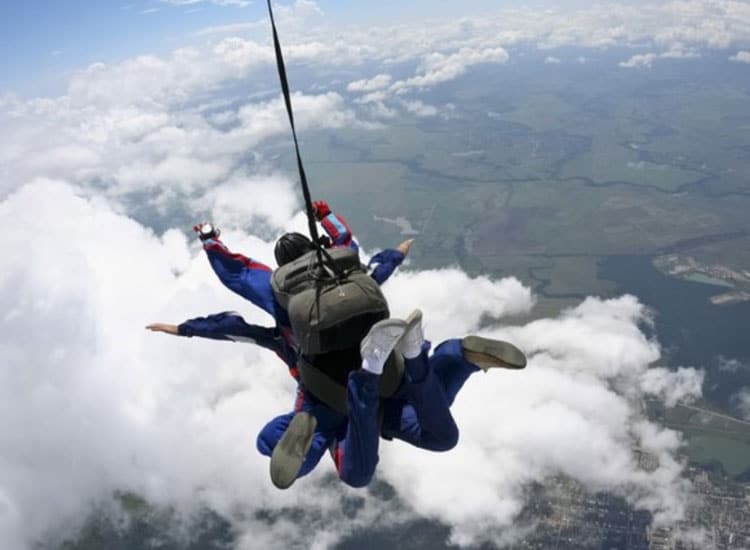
(385, 263)
(338, 230)
(228, 326)
(248, 278)
(232, 327)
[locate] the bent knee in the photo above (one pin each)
(447, 440)
(356, 481)
(357, 477)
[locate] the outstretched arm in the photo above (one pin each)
(247, 277)
(232, 327)
(388, 260)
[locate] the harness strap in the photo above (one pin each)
(333, 394)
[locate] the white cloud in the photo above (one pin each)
(640, 60)
(672, 387)
(370, 85)
(419, 108)
(742, 402)
(100, 404)
(741, 57)
(551, 60)
(437, 67)
(567, 413)
(676, 51)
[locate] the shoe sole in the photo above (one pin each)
(395, 329)
(291, 450)
(414, 318)
(487, 353)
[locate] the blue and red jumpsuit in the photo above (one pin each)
(251, 279)
(418, 414)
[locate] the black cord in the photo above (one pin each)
(303, 178)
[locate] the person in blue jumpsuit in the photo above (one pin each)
(419, 413)
(251, 279)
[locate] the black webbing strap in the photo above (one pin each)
(302, 177)
(288, 100)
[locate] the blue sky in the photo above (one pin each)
(43, 41)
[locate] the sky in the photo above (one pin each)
(42, 42)
(137, 125)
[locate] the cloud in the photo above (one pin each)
(92, 403)
(741, 57)
(741, 399)
(370, 85)
(677, 51)
(419, 108)
(437, 67)
(551, 60)
(640, 60)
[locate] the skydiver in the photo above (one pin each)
(419, 413)
(231, 326)
(300, 439)
(250, 278)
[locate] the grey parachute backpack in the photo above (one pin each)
(329, 309)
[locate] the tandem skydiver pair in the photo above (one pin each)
(365, 377)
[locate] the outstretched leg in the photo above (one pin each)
(421, 416)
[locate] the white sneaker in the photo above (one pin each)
(410, 345)
(379, 343)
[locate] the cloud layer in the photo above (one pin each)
(91, 403)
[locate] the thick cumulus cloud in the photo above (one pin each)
(92, 403)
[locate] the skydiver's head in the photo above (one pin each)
(291, 246)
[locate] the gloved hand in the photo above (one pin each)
(206, 231)
(321, 209)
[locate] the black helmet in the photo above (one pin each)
(291, 246)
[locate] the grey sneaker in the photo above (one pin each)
(379, 343)
(486, 353)
(290, 451)
(410, 344)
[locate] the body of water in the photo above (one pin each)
(692, 330)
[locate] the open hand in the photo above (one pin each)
(162, 327)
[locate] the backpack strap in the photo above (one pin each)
(333, 393)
